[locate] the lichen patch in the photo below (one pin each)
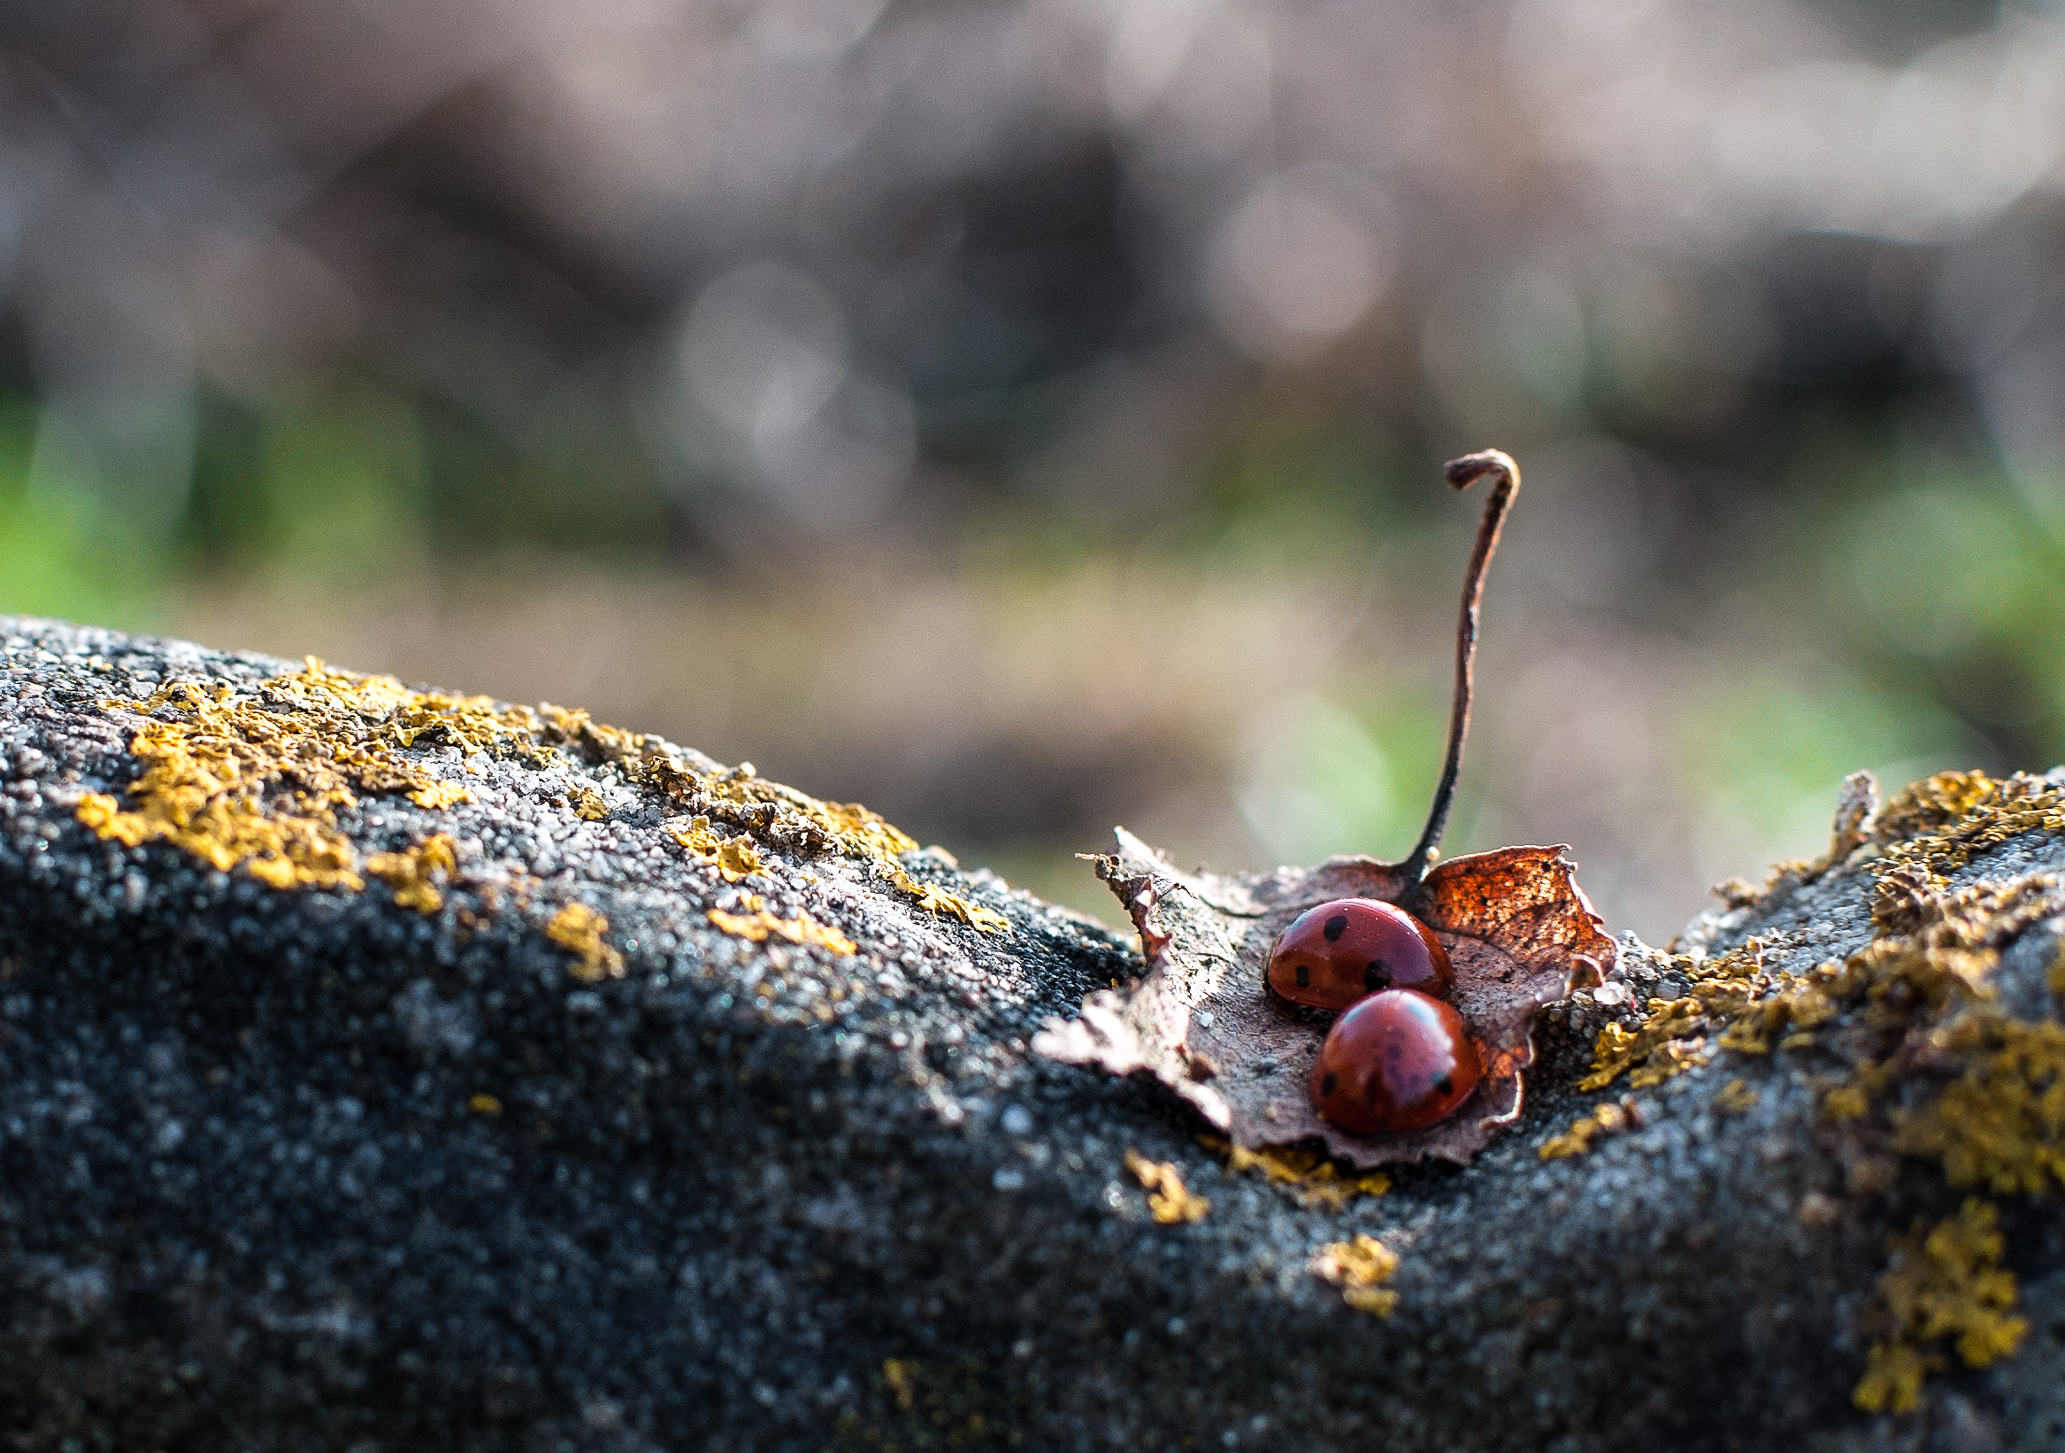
(579, 929)
(1934, 1069)
(2001, 1123)
(1936, 826)
(1945, 1289)
(734, 858)
(1604, 1120)
(777, 818)
(416, 872)
(1169, 1201)
(1311, 1176)
(1675, 1034)
(1737, 1097)
(757, 925)
(253, 778)
(1359, 1267)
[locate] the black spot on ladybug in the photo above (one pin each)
(1326, 1086)
(1336, 926)
(1304, 976)
(1444, 1084)
(1376, 976)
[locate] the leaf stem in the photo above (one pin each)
(1462, 473)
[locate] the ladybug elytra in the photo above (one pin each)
(1345, 950)
(1397, 1060)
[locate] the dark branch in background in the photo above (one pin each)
(1462, 473)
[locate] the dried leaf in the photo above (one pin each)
(1517, 928)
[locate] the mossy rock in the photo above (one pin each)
(387, 1069)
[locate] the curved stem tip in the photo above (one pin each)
(1462, 473)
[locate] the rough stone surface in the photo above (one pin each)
(249, 1200)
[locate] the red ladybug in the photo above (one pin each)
(1351, 948)
(1398, 1060)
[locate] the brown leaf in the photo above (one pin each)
(1517, 928)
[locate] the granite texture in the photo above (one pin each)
(305, 1168)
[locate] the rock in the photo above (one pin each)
(621, 1101)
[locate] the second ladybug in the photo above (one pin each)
(1396, 1061)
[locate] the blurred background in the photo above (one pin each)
(1025, 416)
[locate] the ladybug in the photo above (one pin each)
(1398, 1060)
(1348, 949)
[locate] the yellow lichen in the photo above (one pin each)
(1359, 1267)
(1169, 1201)
(897, 1377)
(1672, 1036)
(964, 1406)
(757, 925)
(403, 717)
(1734, 1004)
(2001, 1124)
(579, 929)
(1311, 1176)
(1846, 1102)
(1606, 1120)
(1945, 1283)
(415, 872)
(1671, 1058)
(1893, 1376)
(1918, 1002)
(1931, 804)
(253, 777)
(772, 813)
(1937, 825)
(1785, 1016)
(733, 858)
(1924, 995)
(934, 899)
(1921, 993)
(1736, 1098)
(1932, 982)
